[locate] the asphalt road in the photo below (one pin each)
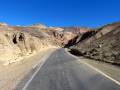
(61, 71)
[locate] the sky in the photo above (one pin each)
(85, 13)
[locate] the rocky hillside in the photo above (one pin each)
(101, 44)
(17, 42)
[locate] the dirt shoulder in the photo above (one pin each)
(10, 75)
(109, 69)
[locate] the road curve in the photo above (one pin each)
(61, 71)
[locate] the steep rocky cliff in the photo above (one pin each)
(102, 44)
(16, 42)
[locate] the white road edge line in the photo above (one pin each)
(42, 57)
(42, 63)
(117, 82)
(37, 64)
(107, 76)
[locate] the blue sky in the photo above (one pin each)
(88, 13)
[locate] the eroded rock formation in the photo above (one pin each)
(15, 44)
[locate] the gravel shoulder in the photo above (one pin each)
(11, 75)
(112, 71)
(109, 69)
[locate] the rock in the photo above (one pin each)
(17, 44)
(102, 44)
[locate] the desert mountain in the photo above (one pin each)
(101, 44)
(19, 41)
